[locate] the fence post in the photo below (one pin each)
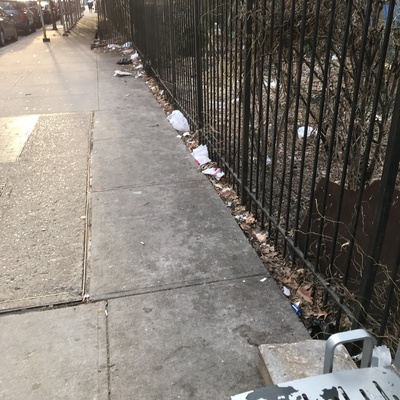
(199, 72)
(132, 27)
(246, 104)
(172, 45)
(381, 216)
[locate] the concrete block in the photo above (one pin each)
(280, 363)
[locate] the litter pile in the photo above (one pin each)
(200, 153)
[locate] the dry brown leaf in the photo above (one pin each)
(306, 292)
(321, 313)
(250, 220)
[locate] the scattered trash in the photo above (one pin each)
(261, 237)
(296, 308)
(218, 105)
(140, 66)
(135, 56)
(124, 61)
(106, 312)
(263, 279)
(272, 84)
(230, 204)
(269, 160)
(217, 173)
(200, 154)
(178, 121)
(113, 46)
(138, 75)
(122, 73)
(127, 44)
(86, 297)
(381, 356)
(310, 131)
(186, 134)
(286, 291)
(240, 218)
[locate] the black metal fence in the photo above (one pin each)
(298, 100)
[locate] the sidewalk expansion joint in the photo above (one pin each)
(41, 307)
(125, 293)
(129, 187)
(169, 287)
(88, 215)
(108, 353)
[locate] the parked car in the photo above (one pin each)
(8, 29)
(22, 16)
(34, 7)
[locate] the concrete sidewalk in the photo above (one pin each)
(177, 303)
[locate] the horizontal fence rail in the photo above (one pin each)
(296, 99)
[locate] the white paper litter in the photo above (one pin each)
(286, 291)
(178, 121)
(272, 85)
(200, 154)
(310, 131)
(134, 56)
(122, 73)
(209, 171)
(217, 173)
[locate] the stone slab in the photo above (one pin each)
(43, 206)
(279, 363)
(57, 354)
(176, 234)
(153, 157)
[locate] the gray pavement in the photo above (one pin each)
(99, 197)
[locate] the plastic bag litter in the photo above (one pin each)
(127, 44)
(200, 154)
(134, 56)
(310, 131)
(122, 73)
(178, 121)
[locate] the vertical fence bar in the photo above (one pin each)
(199, 72)
(246, 104)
